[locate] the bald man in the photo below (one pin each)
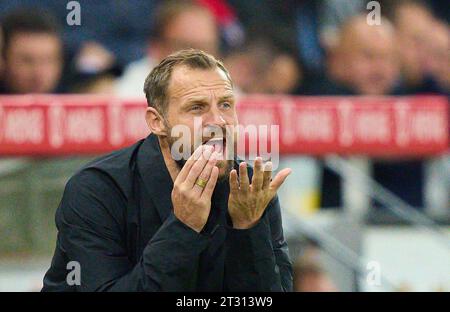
(365, 57)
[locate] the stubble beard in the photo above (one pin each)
(225, 166)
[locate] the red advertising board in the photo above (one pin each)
(378, 126)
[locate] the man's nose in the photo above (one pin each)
(215, 118)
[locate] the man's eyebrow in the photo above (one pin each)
(201, 99)
(227, 97)
(198, 99)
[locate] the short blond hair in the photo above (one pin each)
(157, 82)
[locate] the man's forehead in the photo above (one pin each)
(186, 82)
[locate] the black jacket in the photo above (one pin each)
(116, 220)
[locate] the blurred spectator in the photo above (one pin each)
(110, 35)
(119, 27)
(284, 74)
(365, 62)
(260, 67)
(412, 21)
(177, 25)
(420, 39)
(437, 64)
(310, 24)
(317, 23)
(365, 58)
(424, 57)
(309, 275)
(1, 49)
(32, 52)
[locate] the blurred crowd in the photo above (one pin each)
(299, 47)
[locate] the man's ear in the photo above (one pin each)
(155, 122)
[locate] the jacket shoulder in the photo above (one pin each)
(117, 167)
(99, 191)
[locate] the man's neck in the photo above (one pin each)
(171, 165)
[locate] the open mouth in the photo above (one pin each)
(219, 144)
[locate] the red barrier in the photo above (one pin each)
(377, 126)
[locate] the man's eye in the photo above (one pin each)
(225, 105)
(196, 108)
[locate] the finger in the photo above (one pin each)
(279, 179)
(209, 188)
(206, 173)
(234, 184)
(197, 168)
(243, 177)
(188, 165)
(267, 175)
(257, 179)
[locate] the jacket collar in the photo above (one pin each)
(155, 175)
